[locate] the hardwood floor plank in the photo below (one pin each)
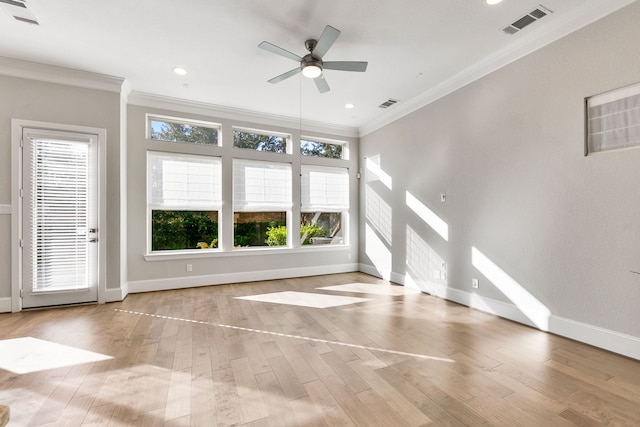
(225, 390)
(298, 364)
(202, 357)
(440, 406)
(291, 385)
(203, 405)
(325, 404)
(347, 374)
(178, 404)
(280, 412)
(250, 397)
(399, 404)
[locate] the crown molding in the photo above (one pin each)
(52, 74)
(525, 45)
(150, 100)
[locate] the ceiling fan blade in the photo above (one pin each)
(326, 40)
(345, 65)
(321, 84)
(279, 51)
(286, 75)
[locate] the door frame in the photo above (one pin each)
(17, 127)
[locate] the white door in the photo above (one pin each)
(59, 218)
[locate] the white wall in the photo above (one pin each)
(508, 152)
(64, 104)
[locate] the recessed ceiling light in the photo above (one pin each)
(492, 2)
(180, 71)
(349, 106)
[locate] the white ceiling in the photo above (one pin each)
(417, 50)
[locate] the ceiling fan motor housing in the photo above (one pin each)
(310, 44)
(309, 59)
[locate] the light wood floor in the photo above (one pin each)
(201, 357)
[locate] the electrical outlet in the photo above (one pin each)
(475, 283)
(443, 197)
(189, 268)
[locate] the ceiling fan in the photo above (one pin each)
(311, 65)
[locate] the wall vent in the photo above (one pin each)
(19, 10)
(14, 3)
(528, 19)
(388, 103)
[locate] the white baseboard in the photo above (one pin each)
(5, 305)
(626, 345)
(116, 294)
(250, 276)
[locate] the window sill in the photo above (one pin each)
(208, 253)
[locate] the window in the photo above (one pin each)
(613, 120)
(261, 202)
(253, 140)
(325, 204)
(180, 130)
(330, 150)
(184, 197)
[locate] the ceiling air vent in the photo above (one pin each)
(388, 103)
(19, 10)
(528, 19)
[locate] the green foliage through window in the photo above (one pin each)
(177, 230)
(252, 228)
(183, 132)
(320, 149)
(277, 236)
(259, 142)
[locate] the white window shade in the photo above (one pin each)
(183, 181)
(261, 186)
(324, 189)
(614, 120)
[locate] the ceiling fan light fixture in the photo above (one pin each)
(311, 71)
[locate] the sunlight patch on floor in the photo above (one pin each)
(305, 299)
(371, 288)
(27, 354)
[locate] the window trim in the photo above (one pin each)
(228, 154)
(604, 98)
(150, 206)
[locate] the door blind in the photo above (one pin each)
(59, 208)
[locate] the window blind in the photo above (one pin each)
(324, 189)
(184, 181)
(261, 186)
(614, 120)
(59, 209)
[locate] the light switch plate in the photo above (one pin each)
(5, 209)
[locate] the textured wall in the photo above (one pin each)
(56, 103)
(508, 150)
